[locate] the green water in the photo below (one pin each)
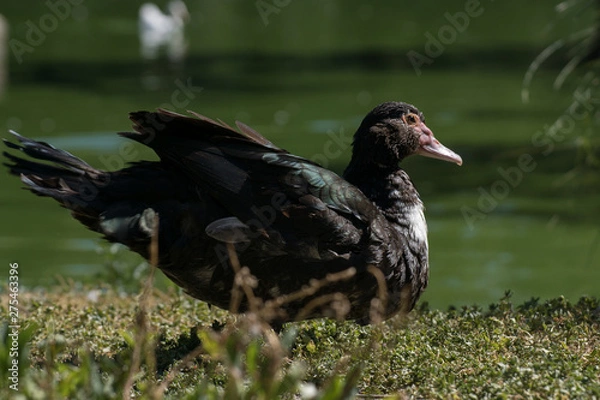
(319, 67)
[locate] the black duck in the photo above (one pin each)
(290, 220)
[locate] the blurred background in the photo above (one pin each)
(496, 80)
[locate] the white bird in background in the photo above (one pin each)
(157, 29)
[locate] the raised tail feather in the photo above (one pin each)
(70, 181)
(90, 194)
(121, 205)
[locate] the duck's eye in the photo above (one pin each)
(411, 119)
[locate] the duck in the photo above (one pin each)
(224, 203)
(157, 29)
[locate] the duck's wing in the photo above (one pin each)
(271, 195)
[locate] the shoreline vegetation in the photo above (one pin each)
(81, 341)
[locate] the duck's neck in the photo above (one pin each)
(391, 189)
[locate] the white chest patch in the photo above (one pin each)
(417, 223)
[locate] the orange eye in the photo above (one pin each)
(411, 119)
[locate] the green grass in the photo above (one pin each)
(95, 342)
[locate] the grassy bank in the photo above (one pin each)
(81, 342)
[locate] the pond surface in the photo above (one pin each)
(521, 214)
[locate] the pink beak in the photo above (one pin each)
(431, 147)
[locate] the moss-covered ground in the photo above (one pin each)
(96, 342)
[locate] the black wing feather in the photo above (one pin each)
(256, 172)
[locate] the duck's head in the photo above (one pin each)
(179, 10)
(393, 131)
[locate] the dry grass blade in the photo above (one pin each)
(314, 286)
(141, 324)
(378, 304)
(266, 311)
(159, 390)
(273, 306)
(338, 302)
(244, 282)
